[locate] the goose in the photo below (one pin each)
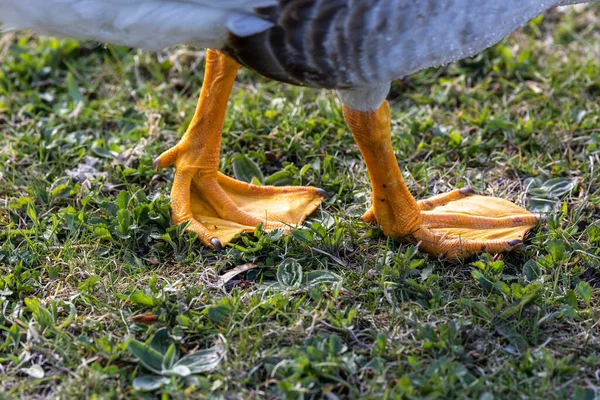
(355, 47)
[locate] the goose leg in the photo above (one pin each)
(452, 225)
(219, 207)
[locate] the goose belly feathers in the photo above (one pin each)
(148, 24)
(319, 43)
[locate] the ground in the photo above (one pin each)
(91, 270)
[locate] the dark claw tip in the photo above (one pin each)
(156, 164)
(322, 193)
(467, 191)
(515, 242)
(216, 244)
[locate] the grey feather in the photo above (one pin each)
(360, 43)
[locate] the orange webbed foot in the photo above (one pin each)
(451, 225)
(218, 207)
(460, 223)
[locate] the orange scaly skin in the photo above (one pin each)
(219, 207)
(452, 225)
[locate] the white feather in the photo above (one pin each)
(149, 24)
(244, 25)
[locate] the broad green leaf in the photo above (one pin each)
(585, 291)
(322, 276)
(455, 139)
(556, 248)
(479, 308)
(570, 298)
(89, 284)
(102, 233)
(123, 199)
(101, 152)
(482, 279)
(336, 346)
(542, 206)
(275, 234)
(593, 232)
(122, 233)
(149, 383)
(33, 304)
(61, 190)
(550, 189)
(545, 195)
(289, 273)
(502, 287)
(305, 169)
(203, 360)
(518, 307)
(582, 393)
(73, 89)
(303, 235)
(124, 218)
(31, 213)
(531, 270)
(427, 271)
(245, 169)
(149, 358)
(70, 318)
(504, 328)
(40, 313)
(217, 314)
(170, 357)
(142, 298)
(18, 204)
(161, 341)
(177, 370)
(279, 178)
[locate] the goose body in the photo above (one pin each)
(320, 43)
(354, 46)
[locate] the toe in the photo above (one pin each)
(167, 158)
(441, 200)
(369, 216)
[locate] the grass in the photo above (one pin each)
(100, 296)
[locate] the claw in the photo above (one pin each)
(156, 164)
(322, 193)
(468, 191)
(167, 158)
(216, 244)
(515, 242)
